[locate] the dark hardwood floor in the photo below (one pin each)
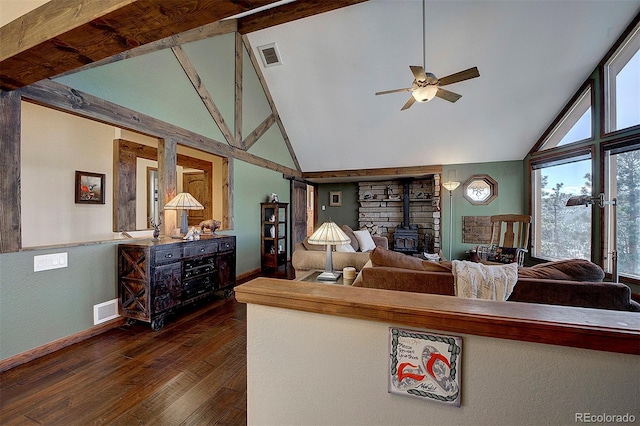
(192, 372)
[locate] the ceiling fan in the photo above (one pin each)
(426, 85)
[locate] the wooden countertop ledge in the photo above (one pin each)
(598, 329)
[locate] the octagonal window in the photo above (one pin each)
(480, 189)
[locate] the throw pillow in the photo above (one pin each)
(571, 270)
(365, 241)
(345, 248)
(384, 257)
(354, 241)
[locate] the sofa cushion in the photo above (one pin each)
(365, 241)
(354, 241)
(382, 257)
(569, 269)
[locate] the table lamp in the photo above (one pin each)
(183, 201)
(329, 234)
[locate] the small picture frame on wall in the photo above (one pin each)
(335, 198)
(89, 188)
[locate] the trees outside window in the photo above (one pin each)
(562, 232)
(623, 172)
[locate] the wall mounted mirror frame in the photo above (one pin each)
(480, 189)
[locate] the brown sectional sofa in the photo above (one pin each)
(573, 282)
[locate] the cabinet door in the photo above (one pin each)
(133, 282)
(166, 287)
(226, 269)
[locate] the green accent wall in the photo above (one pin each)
(510, 199)
(345, 215)
(39, 307)
(253, 185)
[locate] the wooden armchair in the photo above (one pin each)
(509, 239)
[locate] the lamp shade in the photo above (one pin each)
(451, 186)
(329, 234)
(184, 201)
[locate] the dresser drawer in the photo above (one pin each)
(226, 244)
(200, 249)
(173, 254)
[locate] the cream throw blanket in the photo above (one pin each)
(479, 281)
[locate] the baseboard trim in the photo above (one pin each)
(56, 345)
(242, 277)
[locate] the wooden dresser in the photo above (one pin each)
(155, 278)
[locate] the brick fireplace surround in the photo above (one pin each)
(381, 208)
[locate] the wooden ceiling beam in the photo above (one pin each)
(63, 35)
(206, 31)
(290, 12)
(372, 174)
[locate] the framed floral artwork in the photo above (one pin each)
(89, 188)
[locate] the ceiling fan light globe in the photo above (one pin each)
(425, 94)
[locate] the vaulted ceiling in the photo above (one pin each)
(532, 57)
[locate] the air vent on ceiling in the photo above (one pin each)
(270, 55)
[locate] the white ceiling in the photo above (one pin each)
(532, 57)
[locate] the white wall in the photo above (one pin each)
(315, 369)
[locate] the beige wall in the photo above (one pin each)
(56, 144)
(314, 369)
(12, 9)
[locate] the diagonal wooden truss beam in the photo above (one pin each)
(204, 94)
(258, 132)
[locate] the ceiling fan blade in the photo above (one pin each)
(408, 89)
(447, 95)
(459, 76)
(418, 72)
(408, 104)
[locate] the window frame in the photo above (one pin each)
(614, 58)
(549, 160)
(567, 115)
(620, 145)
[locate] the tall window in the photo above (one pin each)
(622, 85)
(561, 232)
(622, 171)
(575, 156)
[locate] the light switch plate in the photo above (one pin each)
(50, 261)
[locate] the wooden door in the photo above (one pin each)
(195, 183)
(298, 212)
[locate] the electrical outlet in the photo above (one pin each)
(50, 261)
